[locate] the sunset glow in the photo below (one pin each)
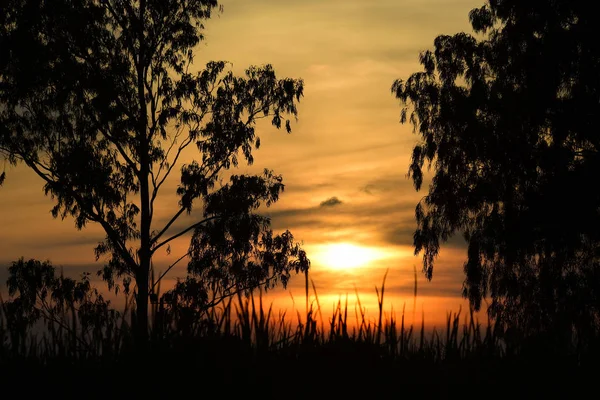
(346, 199)
(341, 256)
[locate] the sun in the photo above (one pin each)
(347, 256)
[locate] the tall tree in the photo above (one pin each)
(97, 99)
(508, 120)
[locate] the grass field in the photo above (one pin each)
(240, 347)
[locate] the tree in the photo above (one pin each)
(507, 119)
(75, 313)
(96, 97)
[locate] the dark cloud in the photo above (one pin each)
(403, 234)
(368, 189)
(400, 235)
(380, 218)
(348, 216)
(45, 242)
(331, 202)
(390, 183)
(303, 188)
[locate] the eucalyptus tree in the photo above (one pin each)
(97, 97)
(507, 119)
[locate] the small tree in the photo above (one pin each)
(97, 99)
(508, 121)
(75, 314)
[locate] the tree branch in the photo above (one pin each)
(168, 269)
(216, 300)
(163, 230)
(156, 188)
(183, 232)
(123, 27)
(88, 214)
(120, 148)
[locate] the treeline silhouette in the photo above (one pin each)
(55, 329)
(96, 98)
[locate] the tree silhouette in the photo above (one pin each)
(96, 97)
(73, 306)
(508, 121)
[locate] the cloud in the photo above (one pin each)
(331, 202)
(368, 189)
(403, 234)
(396, 183)
(73, 271)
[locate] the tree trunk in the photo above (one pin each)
(144, 253)
(141, 323)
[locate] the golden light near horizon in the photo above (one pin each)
(344, 146)
(341, 256)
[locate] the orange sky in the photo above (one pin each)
(347, 144)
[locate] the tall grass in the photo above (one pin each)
(243, 346)
(247, 320)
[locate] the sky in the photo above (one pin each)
(347, 197)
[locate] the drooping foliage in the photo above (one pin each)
(507, 118)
